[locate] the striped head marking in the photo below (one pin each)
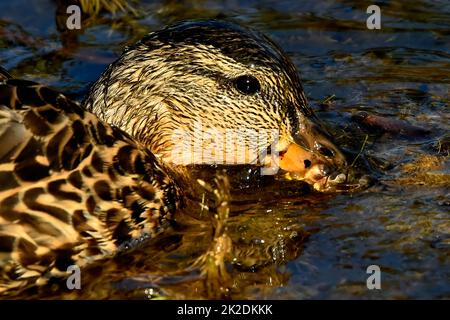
(220, 76)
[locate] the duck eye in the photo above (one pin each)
(247, 84)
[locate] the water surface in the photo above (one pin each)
(289, 246)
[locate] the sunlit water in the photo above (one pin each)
(289, 245)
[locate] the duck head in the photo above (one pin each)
(213, 92)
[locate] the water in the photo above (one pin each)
(288, 245)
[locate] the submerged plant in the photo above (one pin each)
(94, 7)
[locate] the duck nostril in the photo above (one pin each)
(326, 152)
(326, 170)
(307, 163)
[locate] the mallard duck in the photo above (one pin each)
(80, 183)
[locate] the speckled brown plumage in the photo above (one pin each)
(72, 189)
(186, 73)
(80, 183)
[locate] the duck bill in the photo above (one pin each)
(314, 158)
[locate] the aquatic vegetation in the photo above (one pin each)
(95, 7)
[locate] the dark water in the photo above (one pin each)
(289, 246)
